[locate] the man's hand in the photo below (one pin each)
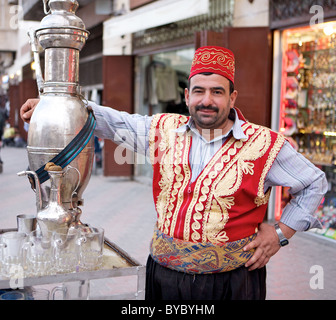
(266, 244)
(27, 109)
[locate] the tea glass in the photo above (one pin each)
(66, 250)
(11, 249)
(91, 248)
(39, 254)
(38, 294)
(77, 290)
(26, 223)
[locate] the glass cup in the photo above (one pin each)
(91, 248)
(77, 290)
(11, 247)
(38, 294)
(66, 250)
(38, 255)
(26, 223)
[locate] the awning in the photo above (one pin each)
(156, 14)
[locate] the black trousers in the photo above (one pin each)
(239, 284)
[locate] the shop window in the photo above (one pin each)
(308, 107)
(164, 77)
(159, 87)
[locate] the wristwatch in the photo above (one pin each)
(283, 241)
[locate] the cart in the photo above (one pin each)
(116, 264)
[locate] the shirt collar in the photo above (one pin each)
(236, 129)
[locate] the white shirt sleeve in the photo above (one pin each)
(128, 130)
(307, 185)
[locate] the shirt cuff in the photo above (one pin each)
(299, 220)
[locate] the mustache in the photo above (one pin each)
(203, 107)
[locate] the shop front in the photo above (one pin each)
(304, 105)
(161, 80)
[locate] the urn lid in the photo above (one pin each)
(61, 27)
(61, 15)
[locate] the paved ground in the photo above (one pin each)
(125, 210)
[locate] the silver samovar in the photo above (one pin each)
(61, 128)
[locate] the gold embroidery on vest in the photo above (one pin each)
(174, 159)
(167, 179)
(171, 145)
(152, 133)
(228, 182)
(196, 197)
(178, 181)
(186, 179)
(210, 170)
(263, 198)
(216, 213)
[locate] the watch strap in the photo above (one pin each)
(283, 241)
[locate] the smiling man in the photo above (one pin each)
(212, 177)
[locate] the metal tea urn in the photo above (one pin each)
(61, 128)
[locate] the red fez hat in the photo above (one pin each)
(213, 59)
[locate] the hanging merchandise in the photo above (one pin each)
(308, 107)
(161, 84)
(164, 77)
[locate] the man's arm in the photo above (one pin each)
(128, 130)
(307, 185)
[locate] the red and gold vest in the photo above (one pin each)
(227, 201)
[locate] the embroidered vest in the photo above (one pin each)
(227, 201)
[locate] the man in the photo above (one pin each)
(212, 175)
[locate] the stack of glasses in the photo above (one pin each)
(38, 254)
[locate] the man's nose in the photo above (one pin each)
(207, 99)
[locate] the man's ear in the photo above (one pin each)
(186, 96)
(233, 97)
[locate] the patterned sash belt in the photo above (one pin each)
(197, 257)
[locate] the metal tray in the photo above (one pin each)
(116, 263)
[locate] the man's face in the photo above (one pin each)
(209, 101)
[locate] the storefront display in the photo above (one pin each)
(165, 77)
(308, 107)
(159, 88)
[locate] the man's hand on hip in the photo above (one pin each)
(266, 244)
